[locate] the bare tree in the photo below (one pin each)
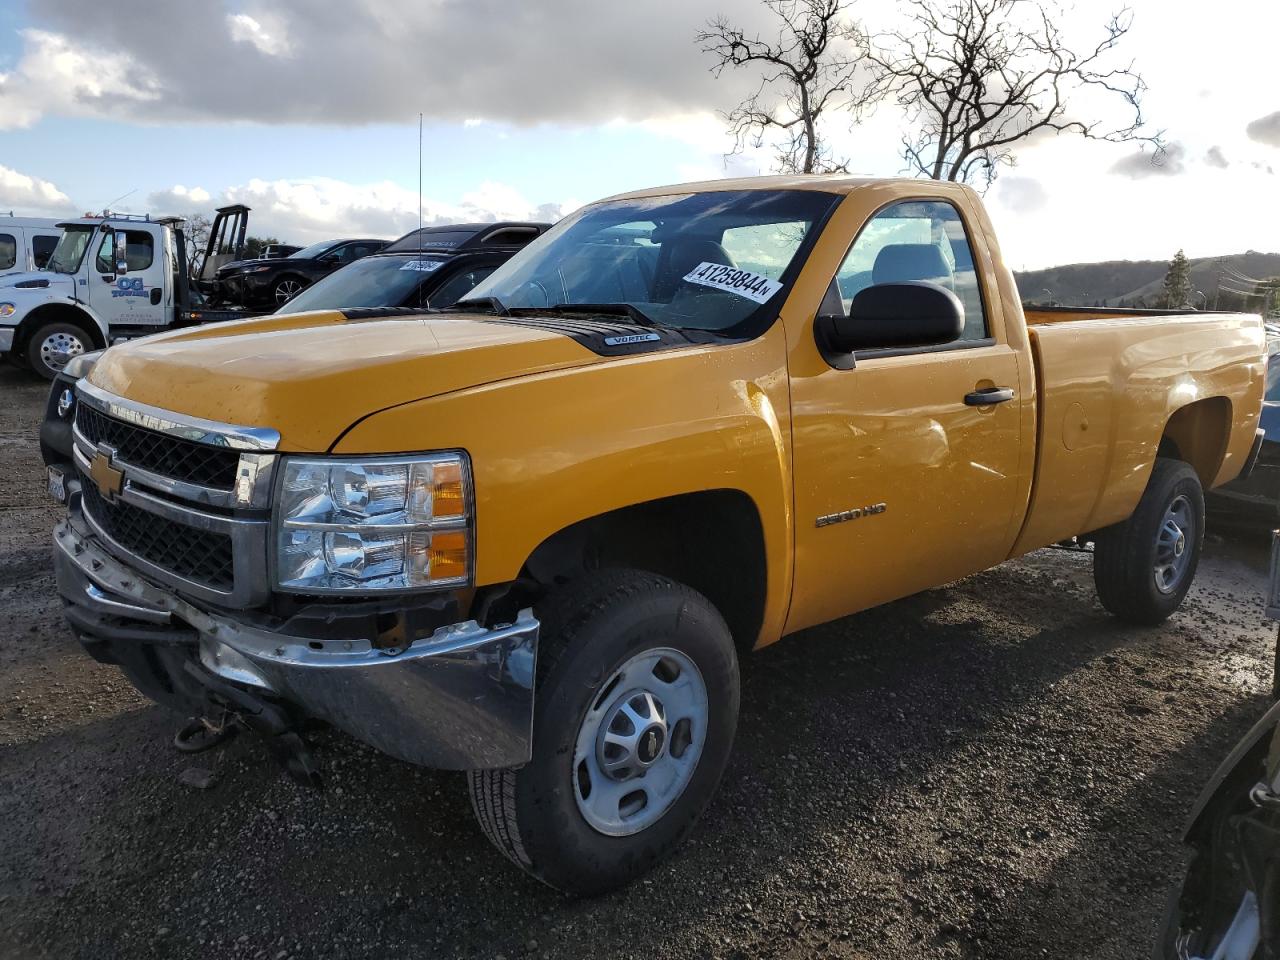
(196, 232)
(809, 70)
(978, 77)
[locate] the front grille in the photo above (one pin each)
(160, 453)
(193, 554)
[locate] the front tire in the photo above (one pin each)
(53, 344)
(635, 713)
(1143, 567)
(285, 289)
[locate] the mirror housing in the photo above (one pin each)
(120, 252)
(909, 313)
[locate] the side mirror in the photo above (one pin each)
(329, 259)
(120, 245)
(911, 313)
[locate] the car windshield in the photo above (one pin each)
(694, 260)
(370, 282)
(70, 250)
(307, 253)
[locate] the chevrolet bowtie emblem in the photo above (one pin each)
(105, 477)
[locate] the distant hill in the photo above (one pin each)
(1126, 282)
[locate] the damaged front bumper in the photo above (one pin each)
(459, 699)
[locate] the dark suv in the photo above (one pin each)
(435, 266)
(274, 282)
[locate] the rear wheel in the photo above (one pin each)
(635, 714)
(53, 345)
(1143, 568)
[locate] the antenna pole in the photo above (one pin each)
(419, 183)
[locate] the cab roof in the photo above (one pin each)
(840, 183)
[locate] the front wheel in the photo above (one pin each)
(1143, 568)
(635, 712)
(285, 289)
(53, 345)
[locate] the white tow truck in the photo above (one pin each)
(111, 278)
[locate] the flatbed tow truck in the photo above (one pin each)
(111, 278)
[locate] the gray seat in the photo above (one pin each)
(912, 261)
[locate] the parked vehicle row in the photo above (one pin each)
(61, 309)
(530, 535)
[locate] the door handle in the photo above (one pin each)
(988, 396)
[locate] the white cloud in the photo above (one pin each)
(1266, 129)
(31, 196)
(58, 75)
(321, 208)
(373, 61)
(268, 40)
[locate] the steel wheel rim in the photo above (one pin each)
(286, 290)
(58, 348)
(1175, 545)
(640, 742)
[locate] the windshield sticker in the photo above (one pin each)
(423, 266)
(753, 286)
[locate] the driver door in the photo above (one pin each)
(904, 478)
(138, 297)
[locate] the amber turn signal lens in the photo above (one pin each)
(447, 555)
(447, 497)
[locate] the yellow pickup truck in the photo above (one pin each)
(529, 537)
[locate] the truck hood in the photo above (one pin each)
(312, 375)
(36, 280)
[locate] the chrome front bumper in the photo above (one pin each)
(460, 699)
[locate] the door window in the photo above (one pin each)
(139, 251)
(8, 251)
(916, 240)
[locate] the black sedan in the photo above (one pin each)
(435, 266)
(272, 283)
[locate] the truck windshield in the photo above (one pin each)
(370, 282)
(69, 252)
(696, 260)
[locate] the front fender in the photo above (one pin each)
(552, 449)
(30, 307)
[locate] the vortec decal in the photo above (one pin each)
(854, 514)
(129, 287)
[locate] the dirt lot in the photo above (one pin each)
(992, 769)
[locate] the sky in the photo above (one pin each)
(308, 113)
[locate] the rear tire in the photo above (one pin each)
(53, 344)
(607, 641)
(1143, 567)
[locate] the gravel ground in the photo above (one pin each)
(990, 769)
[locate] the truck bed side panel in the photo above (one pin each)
(1108, 388)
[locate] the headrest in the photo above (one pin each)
(910, 261)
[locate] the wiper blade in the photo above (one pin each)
(628, 310)
(481, 305)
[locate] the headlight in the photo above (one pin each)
(6, 309)
(80, 366)
(373, 524)
(261, 269)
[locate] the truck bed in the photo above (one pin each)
(1111, 384)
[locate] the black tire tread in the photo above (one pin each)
(1120, 551)
(561, 614)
